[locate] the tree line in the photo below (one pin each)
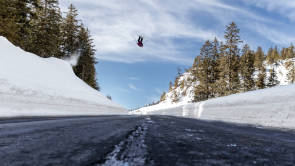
(38, 26)
(229, 67)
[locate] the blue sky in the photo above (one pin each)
(174, 30)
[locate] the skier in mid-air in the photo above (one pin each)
(139, 41)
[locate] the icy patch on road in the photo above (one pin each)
(131, 151)
(232, 145)
(148, 120)
(189, 130)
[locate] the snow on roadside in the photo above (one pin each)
(35, 86)
(269, 107)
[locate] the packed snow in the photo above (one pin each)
(273, 107)
(35, 86)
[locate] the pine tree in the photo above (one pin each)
(215, 67)
(205, 70)
(276, 56)
(174, 97)
(163, 97)
(8, 20)
(200, 93)
(260, 83)
(170, 86)
(259, 58)
(290, 65)
(290, 52)
(273, 55)
(194, 68)
(221, 86)
(269, 56)
(176, 81)
(182, 84)
(272, 79)
(70, 30)
(15, 20)
(47, 30)
(85, 68)
(284, 52)
(247, 68)
(231, 61)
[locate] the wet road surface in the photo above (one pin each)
(140, 140)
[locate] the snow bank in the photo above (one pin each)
(269, 107)
(35, 86)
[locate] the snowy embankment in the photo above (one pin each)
(268, 107)
(35, 86)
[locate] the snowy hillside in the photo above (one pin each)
(185, 88)
(281, 70)
(269, 107)
(34, 86)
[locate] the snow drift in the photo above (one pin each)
(35, 86)
(273, 107)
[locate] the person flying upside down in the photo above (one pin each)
(139, 41)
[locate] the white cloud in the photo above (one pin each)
(284, 7)
(115, 25)
(133, 78)
(133, 87)
(272, 34)
(120, 89)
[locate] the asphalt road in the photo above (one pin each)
(140, 140)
